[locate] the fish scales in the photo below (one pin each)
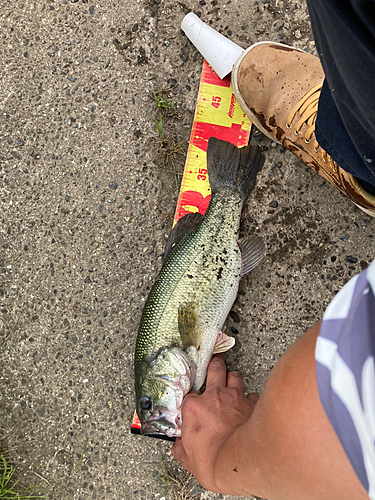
(194, 292)
(198, 270)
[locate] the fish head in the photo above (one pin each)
(164, 383)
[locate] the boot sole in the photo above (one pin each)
(371, 214)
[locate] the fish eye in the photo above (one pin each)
(146, 404)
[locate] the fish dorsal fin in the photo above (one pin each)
(187, 324)
(186, 225)
(223, 343)
(253, 249)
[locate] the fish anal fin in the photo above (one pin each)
(223, 343)
(187, 325)
(253, 249)
(186, 225)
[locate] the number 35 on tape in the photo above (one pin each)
(217, 114)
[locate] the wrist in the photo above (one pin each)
(225, 466)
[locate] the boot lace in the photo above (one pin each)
(307, 107)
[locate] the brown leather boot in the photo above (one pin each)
(278, 87)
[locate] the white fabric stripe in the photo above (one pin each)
(340, 305)
(325, 351)
(368, 385)
(344, 385)
(371, 275)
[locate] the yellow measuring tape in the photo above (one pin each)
(217, 114)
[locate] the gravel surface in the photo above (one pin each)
(86, 206)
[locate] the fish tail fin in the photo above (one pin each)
(234, 167)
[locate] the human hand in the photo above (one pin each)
(210, 419)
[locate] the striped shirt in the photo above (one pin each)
(345, 372)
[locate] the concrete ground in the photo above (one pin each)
(86, 207)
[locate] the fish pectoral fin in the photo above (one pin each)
(223, 343)
(253, 249)
(187, 325)
(192, 352)
(186, 225)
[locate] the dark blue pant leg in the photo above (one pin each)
(344, 33)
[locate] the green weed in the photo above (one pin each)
(82, 454)
(163, 103)
(10, 488)
(169, 150)
(159, 126)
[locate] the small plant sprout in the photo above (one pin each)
(163, 103)
(82, 454)
(159, 126)
(169, 150)
(11, 489)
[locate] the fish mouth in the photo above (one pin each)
(174, 373)
(165, 423)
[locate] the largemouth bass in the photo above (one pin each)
(182, 319)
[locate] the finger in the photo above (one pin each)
(217, 372)
(234, 379)
(252, 399)
(190, 395)
(178, 451)
(253, 396)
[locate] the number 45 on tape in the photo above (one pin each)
(217, 114)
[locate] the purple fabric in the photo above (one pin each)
(342, 423)
(345, 375)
